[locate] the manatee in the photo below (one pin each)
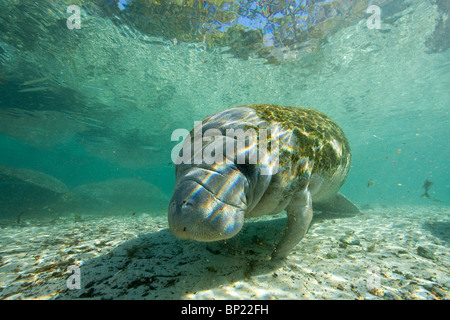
(306, 161)
(31, 177)
(25, 190)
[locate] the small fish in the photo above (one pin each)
(427, 185)
(370, 183)
(133, 214)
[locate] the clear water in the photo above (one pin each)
(99, 103)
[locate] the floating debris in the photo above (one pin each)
(376, 137)
(34, 89)
(27, 83)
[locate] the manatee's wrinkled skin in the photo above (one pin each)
(307, 161)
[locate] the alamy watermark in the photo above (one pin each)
(373, 280)
(212, 147)
(74, 280)
(374, 21)
(74, 21)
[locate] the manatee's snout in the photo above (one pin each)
(197, 213)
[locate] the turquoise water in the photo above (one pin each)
(101, 102)
(94, 108)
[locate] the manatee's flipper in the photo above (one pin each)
(337, 204)
(299, 215)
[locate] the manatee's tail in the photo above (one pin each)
(337, 204)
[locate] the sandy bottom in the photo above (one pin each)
(385, 253)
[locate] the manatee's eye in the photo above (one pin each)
(186, 204)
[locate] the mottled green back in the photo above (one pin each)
(315, 133)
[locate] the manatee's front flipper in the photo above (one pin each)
(337, 204)
(299, 215)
